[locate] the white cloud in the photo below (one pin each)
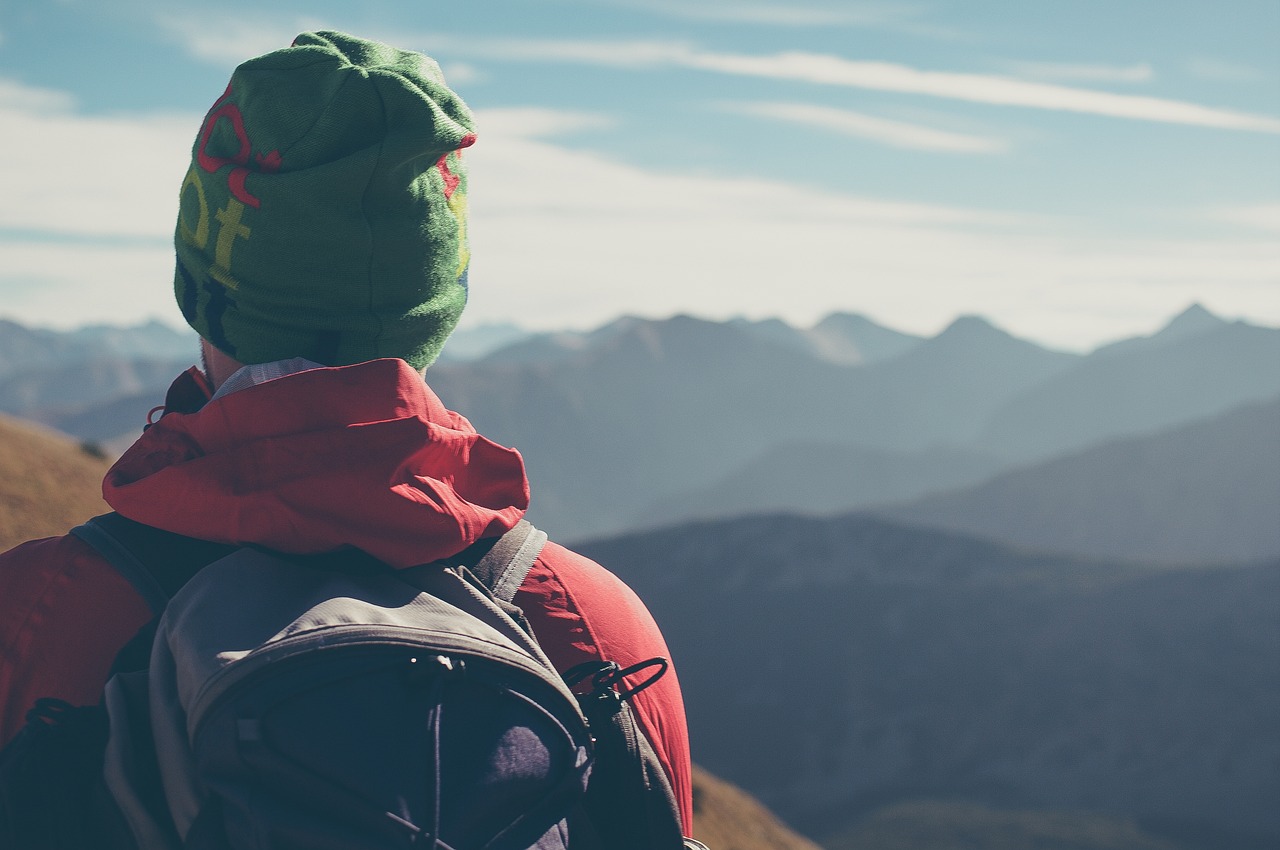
(535, 122)
(90, 176)
(462, 73)
(230, 40)
(571, 238)
(1264, 217)
(16, 96)
(825, 69)
(69, 284)
(904, 17)
(1086, 73)
(1219, 71)
(896, 134)
(788, 15)
(580, 238)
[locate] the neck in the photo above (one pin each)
(217, 366)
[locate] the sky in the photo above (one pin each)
(1076, 172)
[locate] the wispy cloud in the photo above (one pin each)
(72, 283)
(897, 134)
(232, 40)
(655, 242)
(462, 73)
(826, 69)
(619, 238)
(1265, 217)
(17, 97)
(784, 14)
(534, 122)
(1085, 73)
(1220, 71)
(134, 197)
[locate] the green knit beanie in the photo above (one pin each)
(324, 215)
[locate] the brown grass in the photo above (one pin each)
(727, 818)
(48, 484)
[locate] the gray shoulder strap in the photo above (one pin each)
(156, 562)
(504, 567)
(96, 534)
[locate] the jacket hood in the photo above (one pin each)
(362, 456)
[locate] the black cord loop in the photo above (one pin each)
(605, 676)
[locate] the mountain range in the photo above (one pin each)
(840, 667)
(644, 422)
(1201, 491)
(948, 591)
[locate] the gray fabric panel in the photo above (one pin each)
(120, 767)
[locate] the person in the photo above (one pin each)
(322, 257)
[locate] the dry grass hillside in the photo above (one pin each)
(727, 818)
(47, 483)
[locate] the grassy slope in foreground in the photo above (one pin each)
(47, 483)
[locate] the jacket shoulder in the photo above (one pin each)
(64, 614)
(581, 612)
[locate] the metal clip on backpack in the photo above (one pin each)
(331, 702)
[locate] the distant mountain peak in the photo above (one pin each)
(847, 320)
(971, 327)
(1193, 320)
(854, 339)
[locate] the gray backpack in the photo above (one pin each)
(332, 702)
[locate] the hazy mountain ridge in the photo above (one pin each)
(1137, 389)
(1202, 491)
(23, 348)
(645, 413)
(604, 429)
(825, 478)
(95, 383)
(642, 421)
(648, 410)
(893, 664)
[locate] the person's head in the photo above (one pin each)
(324, 213)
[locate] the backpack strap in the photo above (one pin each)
(156, 562)
(506, 565)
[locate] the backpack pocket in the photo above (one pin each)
(372, 746)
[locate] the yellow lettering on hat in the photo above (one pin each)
(458, 206)
(231, 229)
(200, 236)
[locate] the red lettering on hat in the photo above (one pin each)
(270, 162)
(451, 180)
(236, 181)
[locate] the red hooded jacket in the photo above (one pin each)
(364, 456)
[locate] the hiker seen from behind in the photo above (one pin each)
(316, 616)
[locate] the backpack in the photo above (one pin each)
(282, 702)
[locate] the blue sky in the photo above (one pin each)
(1076, 172)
